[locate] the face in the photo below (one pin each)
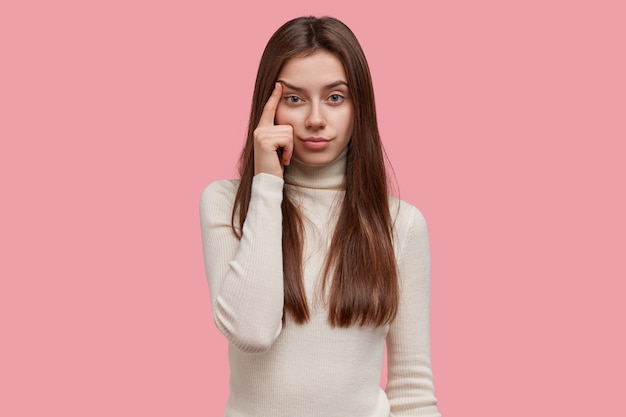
(316, 102)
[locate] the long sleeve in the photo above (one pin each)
(245, 276)
(410, 381)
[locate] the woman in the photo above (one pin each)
(312, 267)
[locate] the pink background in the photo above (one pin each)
(505, 124)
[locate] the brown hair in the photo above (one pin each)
(364, 286)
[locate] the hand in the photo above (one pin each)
(273, 144)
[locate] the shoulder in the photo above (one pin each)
(217, 199)
(408, 222)
(405, 216)
(219, 191)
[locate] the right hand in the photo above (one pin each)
(273, 144)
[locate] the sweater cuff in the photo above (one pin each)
(267, 187)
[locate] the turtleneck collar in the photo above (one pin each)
(330, 176)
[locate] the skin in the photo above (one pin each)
(309, 116)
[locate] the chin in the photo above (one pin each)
(319, 159)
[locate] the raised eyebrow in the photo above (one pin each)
(336, 84)
(326, 87)
(291, 86)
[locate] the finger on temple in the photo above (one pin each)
(269, 110)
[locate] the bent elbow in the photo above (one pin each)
(259, 344)
(250, 338)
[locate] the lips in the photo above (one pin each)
(315, 144)
(312, 139)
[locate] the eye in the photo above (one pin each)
(293, 99)
(335, 98)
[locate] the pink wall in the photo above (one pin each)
(505, 125)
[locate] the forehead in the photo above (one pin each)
(318, 69)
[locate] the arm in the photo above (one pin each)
(410, 382)
(245, 276)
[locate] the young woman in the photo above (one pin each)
(312, 267)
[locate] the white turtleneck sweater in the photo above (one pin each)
(312, 369)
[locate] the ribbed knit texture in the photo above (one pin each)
(312, 370)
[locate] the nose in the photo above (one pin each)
(315, 119)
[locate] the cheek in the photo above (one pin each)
(345, 120)
(351, 120)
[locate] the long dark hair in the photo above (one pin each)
(360, 267)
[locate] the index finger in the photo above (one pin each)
(269, 110)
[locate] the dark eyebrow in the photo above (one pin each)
(326, 87)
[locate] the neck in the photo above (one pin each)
(329, 176)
